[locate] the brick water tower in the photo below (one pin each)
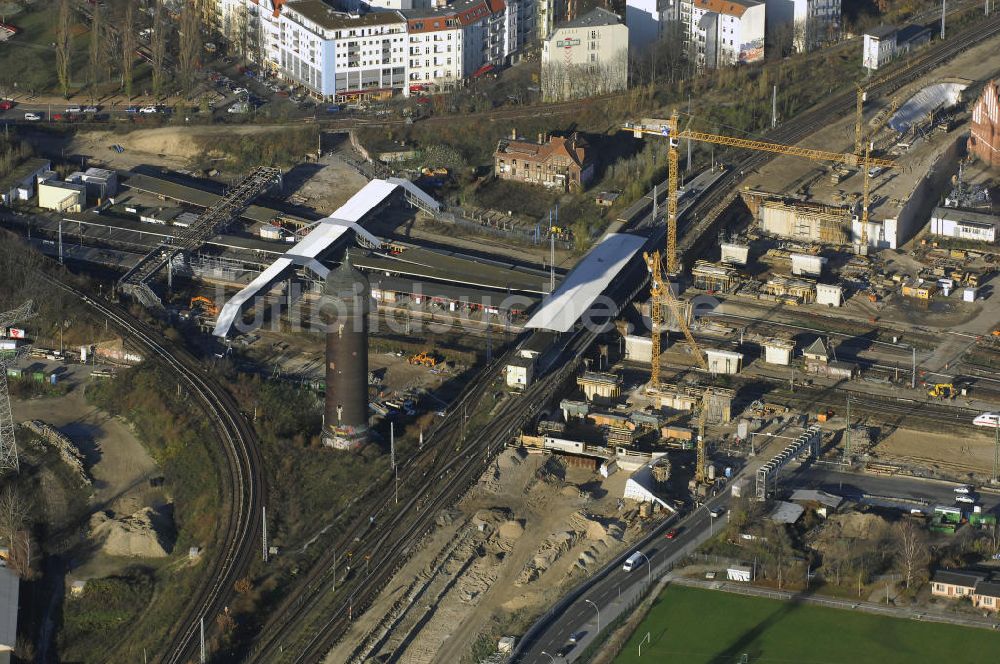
(344, 309)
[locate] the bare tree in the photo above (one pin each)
(13, 513)
(190, 44)
(911, 551)
(64, 44)
(159, 48)
(128, 47)
(15, 516)
(97, 52)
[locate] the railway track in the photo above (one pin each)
(239, 527)
(437, 478)
(451, 478)
(714, 201)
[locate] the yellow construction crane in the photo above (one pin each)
(659, 292)
(862, 97)
(669, 129)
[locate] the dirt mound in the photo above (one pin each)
(140, 535)
(851, 526)
(178, 142)
(489, 520)
(511, 530)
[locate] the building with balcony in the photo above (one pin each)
(718, 33)
(347, 50)
(586, 56)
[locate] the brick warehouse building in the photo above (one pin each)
(564, 163)
(984, 141)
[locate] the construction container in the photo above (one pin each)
(13, 372)
(38, 376)
(53, 379)
(9, 344)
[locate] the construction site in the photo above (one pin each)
(813, 312)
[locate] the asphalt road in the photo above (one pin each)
(905, 491)
(618, 591)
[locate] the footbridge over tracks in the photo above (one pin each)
(213, 220)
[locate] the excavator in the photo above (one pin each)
(427, 359)
(942, 391)
(205, 304)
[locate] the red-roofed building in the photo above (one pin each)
(558, 162)
(984, 138)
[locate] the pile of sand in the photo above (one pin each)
(511, 530)
(849, 526)
(139, 535)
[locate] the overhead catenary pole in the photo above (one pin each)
(201, 627)
(944, 5)
(552, 262)
(263, 532)
(996, 455)
(688, 169)
(774, 106)
(913, 370)
(847, 432)
(392, 444)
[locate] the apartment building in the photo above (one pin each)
(549, 13)
(645, 21)
(585, 56)
(718, 33)
(812, 23)
(449, 44)
(354, 49)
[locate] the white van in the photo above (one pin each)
(632, 561)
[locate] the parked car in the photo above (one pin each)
(240, 91)
(91, 109)
(965, 498)
(333, 108)
(964, 488)
(148, 109)
(132, 109)
(717, 512)
(33, 116)
(74, 109)
(7, 104)
(671, 534)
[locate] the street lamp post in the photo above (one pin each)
(551, 658)
(649, 568)
(598, 614)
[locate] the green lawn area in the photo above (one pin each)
(691, 626)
